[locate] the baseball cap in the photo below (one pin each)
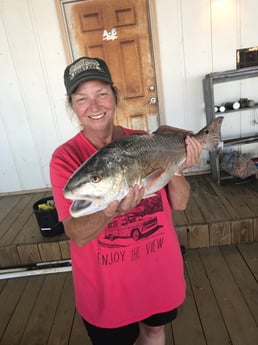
(84, 69)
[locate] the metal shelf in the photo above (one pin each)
(231, 75)
(241, 140)
(208, 88)
(218, 113)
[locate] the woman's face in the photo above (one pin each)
(94, 104)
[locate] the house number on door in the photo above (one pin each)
(110, 35)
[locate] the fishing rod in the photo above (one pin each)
(48, 267)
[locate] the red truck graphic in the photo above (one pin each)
(130, 226)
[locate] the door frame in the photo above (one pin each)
(155, 44)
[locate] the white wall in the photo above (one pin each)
(194, 38)
(199, 37)
(32, 103)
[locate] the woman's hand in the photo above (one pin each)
(193, 152)
(131, 200)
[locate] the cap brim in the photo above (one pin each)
(83, 79)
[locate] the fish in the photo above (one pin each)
(146, 160)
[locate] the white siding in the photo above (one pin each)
(194, 38)
(32, 102)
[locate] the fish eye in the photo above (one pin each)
(95, 178)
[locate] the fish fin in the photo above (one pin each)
(138, 133)
(171, 130)
(150, 180)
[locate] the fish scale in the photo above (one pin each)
(149, 148)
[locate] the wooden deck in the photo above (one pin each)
(215, 216)
(221, 307)
(220, 230)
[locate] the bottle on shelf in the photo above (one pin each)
(246, 103)
(250, 103)
(222, 108)
(232, 105)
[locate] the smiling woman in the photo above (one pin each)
(91, 94)
(140, 315)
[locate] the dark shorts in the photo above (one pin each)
(128, 334)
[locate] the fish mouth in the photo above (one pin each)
(79, 205)
(97, 117)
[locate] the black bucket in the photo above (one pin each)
(47, 217)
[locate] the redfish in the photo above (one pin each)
(148, 160)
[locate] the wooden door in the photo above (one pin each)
(118, 31)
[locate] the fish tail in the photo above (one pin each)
(210, 136)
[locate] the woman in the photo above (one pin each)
(126, 290)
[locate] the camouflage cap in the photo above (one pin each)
(84, 69)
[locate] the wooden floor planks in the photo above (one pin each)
(21, 311)
(221, 307)
(244, 278)
(208, 310)
(236, 314)
(187, 328)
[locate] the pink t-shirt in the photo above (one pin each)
(134, 268)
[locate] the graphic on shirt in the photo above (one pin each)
(139, 224)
